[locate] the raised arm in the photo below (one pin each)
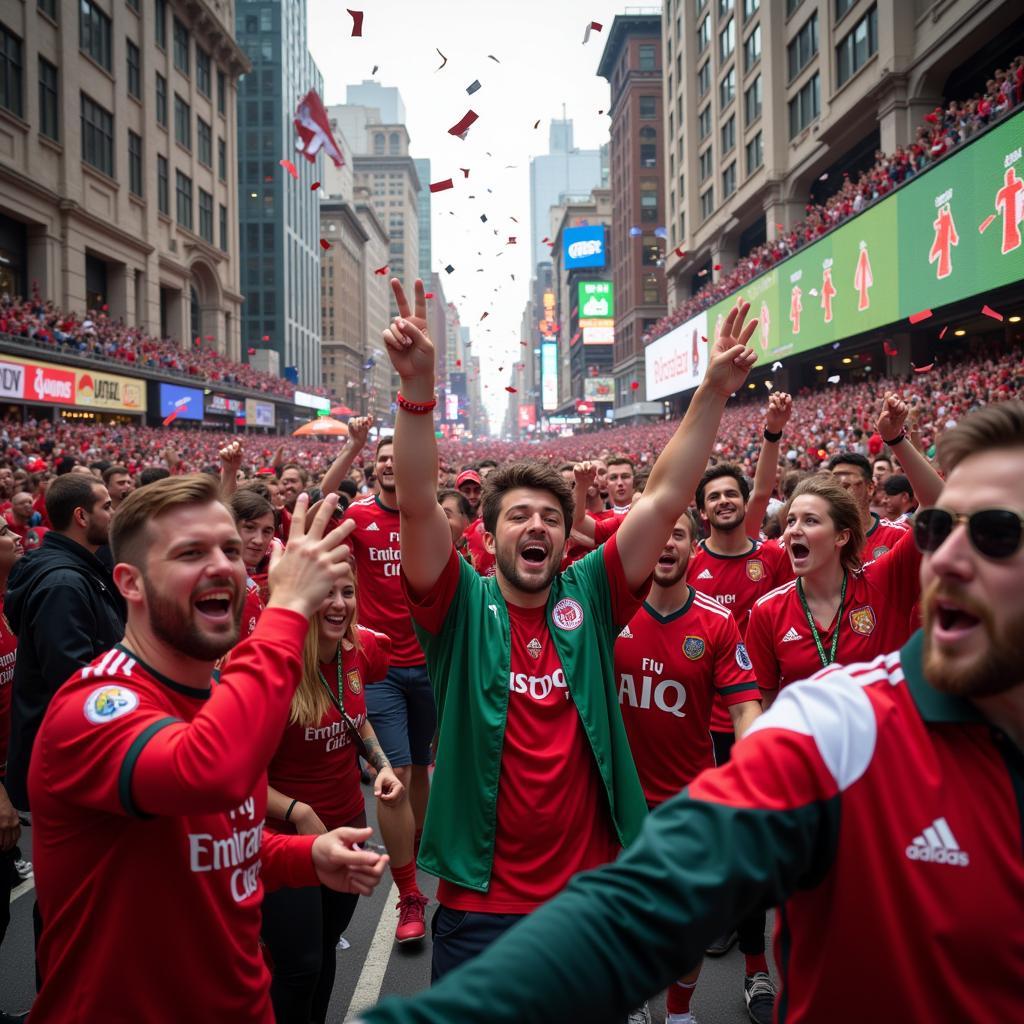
(426, 538)
(673, 480)
(230, 463)
(584, 475)
(918, 470)
(780, 407)
(358, 429)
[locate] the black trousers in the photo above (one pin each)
(460, 935)
(751, 929)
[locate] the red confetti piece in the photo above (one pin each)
(381, 271)
(442, 186)
(252, 351)
(680, 251)
(324, 244)
(460, 129)
(985, 223)
(465, 171)
(922, 369)
(428, 295)
(458, 362)
(197, 341)
(594, 26)
(511, 240)
(942, 333)
(717, 266)
(544, 239)
(170, 419)
(357, 21)
(634, 384)
(511, 390)
(990, 312)
(266, 337)
(314, 186)
(916, 318)
(524, 343)
(290, 168)
(702, 338)
(889, 350)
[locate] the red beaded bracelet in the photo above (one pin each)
(416, 408)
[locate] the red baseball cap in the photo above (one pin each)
(468, 476)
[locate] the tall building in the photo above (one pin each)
(423, 211)
(118, 182)
(384, 98)
(278, 216)
(767, 104)
(376, 378)
(631, 63)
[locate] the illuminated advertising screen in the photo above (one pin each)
(596, 300)
(549, 374)
(677, 361)
(181, 403)
(599, 389)
(598, 335)
(310, 401)
(527, 417)
(584, 247)
(259, 414)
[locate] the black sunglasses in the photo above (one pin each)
(994, 532)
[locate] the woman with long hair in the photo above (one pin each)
(313, 787)
(837, 610)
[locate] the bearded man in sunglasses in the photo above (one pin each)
(880, 805)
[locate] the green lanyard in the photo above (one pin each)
(829, 659)
(341, 690)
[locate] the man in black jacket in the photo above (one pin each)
(64, 608)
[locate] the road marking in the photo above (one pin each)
(371, 978)
(20, 890)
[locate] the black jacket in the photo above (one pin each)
(63, 606)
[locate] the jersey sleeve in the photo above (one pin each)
(625, 601)
(430, 611)
(377, 654)
(606, 527)
(287, 861)
(734, 674)
(898, 573)
(782, 571)
(761, 648)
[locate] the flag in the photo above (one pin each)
(314, 130)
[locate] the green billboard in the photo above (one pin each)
(596, 300)
(952, 232)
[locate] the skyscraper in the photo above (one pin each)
(386, 98)
(423, 209)
(278, 216)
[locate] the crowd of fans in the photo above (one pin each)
(943, 130)
(98, 335)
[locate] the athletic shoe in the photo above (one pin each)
(641, 1015)
(691, 1017)
(24, 869)
(722, 944)
(411, 912)
(759, 991)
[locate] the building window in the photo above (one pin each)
(648, 200)
(724, 7)
(752, 48)
(134, 70)
(135, 163)
(857, 46)
(183, 191)
(727, 41)
(10, 72)
(222, 160)
(163, 199)
(729, 133)
(842, 6)
(803, 46)
(222, 91)
(650, 251)
(804, 107)
(792, 5)
(97, 136)
(707, 203)
(705, 162)
(133, 4)
(94, 33)
(203, 81)
(755, 153)
(727, 89)
(752, 101)
(206, 216)
(648, 108)
(182, 122)
(729, 180)
(223, 226)
(48, 7)
(160, 23)
(49, 122)
(181, 61)
(751, 7)
(204, 138)
(648, 148)
(646, 59)
(650, 289)
(704, 122)
(704, 79)
(161, 100)
(703, 35)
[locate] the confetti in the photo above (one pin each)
(823, 177)
(835, 345)
(449, 269)
(702, 273)
(381, 271)
(357, 21)
(600, 112)
(483, 220)
(514, 221)
(442, 186)
(289, 167)
(813, 291)
(491, 56)
(251, 351)
(889, 350)
(776, 366)
(483, 317)
(942, 333)
(428, 295)
(536, 124)
(916, 318)
(545, 239)
(511, 390)
(717, 266)
(266, 337)
(634, 384)
(465, 174)
(922, 369)
(458, 362)
(769, 385)
(834, 379)
(779, 226)
(460, 129)
(473, 87)
(990, 312)
(594, 26)
(314, 186)
(524, 343)
(444, 60)
(680, 252)
(511, 240)
(982, 227)
(324, 244)
(375, 67)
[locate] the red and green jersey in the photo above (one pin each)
(8, 654)
(667, 668)
(382, 607)
(319, 764)
(875, 617)
(149, 850)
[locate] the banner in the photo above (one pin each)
(599, 389)
(584, 247)
(549, 375)
(12, 380)
(596, 299)
(677, 361)
(109, 391)
(527, 417)
(53, 384)
(259, 414)
(309, 401)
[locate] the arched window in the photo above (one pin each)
(378, 144)
(196, 314)
(394, 144)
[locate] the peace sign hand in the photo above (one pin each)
(731, 356)
(409, 346)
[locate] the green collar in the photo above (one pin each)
(932, 705)
(874, 526)
(380, 504)
(672, 616)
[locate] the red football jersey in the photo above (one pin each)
(148, 793)
(382, 607)
(319, 765)
(251, 610)
(874, 619)
(881, 537)
(8, 653)
(480, 558)
(667, 668)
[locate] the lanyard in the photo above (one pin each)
(830, 658)
(339, 703)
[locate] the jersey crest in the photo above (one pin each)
(742, 658)
(567, 614)
(534, 648)
(693, 648)
(755, 569)
(106, 703)
(863, 620)
(879, 551)
(355, 683)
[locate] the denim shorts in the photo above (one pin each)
(403, 715)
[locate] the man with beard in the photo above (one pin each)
(151, 784)
(901, 777)
(534, 778)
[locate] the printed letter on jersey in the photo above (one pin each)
(106, 703)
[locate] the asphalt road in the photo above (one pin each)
(373, 965)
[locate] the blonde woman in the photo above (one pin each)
(314, 786)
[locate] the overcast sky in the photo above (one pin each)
(543, 64)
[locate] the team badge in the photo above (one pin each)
(693, 648)
(355, 684)
(627, 633)
(879, 551)
(742, 658)
(567, 614)
(863, 620)
(534, 647)
(755, 569)
(109, 702)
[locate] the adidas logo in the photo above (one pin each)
(626, 634)
(705, 575)
(791, 635)
(372, 528)
(937, 845)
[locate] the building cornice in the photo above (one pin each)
(218, 37)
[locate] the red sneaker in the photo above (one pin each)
(411, 911)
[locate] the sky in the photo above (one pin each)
(542, 63)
